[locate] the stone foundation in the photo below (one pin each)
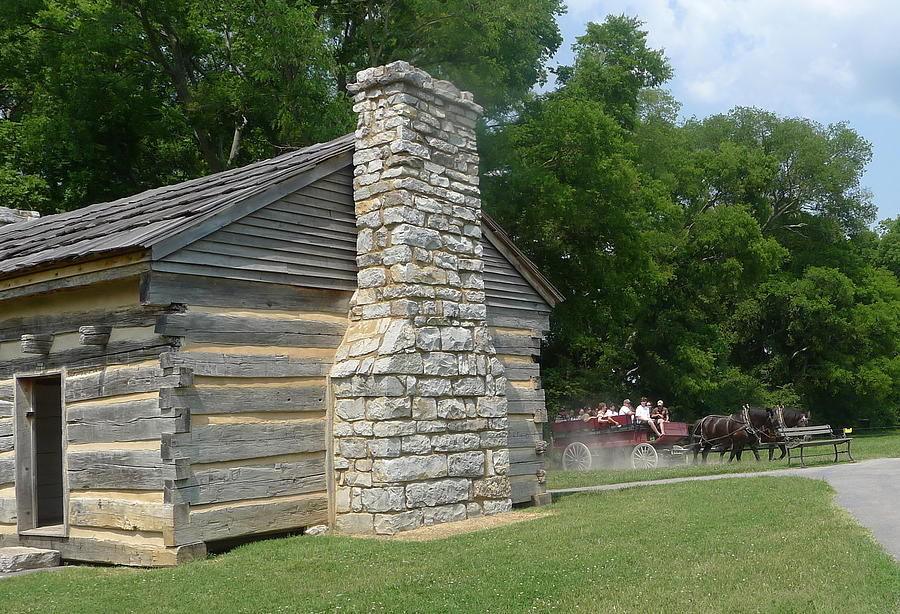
(419, 419)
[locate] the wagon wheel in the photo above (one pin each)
(576, 457)
(644, 456)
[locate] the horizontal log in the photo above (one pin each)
(520, 371)
(165, 288)
(6, 409)
(110, 552)
(524, 407)
(234, 399)
(258, 481)
(85, 356)
(125, 380)
(514, 393)
(524, 467)
(524, 489)
(120, 514)
(270, 517)
(522, 434)
(244, 365)
(7, 470)
(522, 345)
(8, 510)
(126, 421)
(516, 318)
(214, 328)
(226, 442)
(118, 469)
(55, 324)
(7, 428)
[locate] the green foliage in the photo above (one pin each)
(708, 262)
(104, 98)
(495, 48)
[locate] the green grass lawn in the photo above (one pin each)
(881, 445)
(773, 545)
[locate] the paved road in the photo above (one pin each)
(870, 490)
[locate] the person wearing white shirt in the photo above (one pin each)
(626, 408)
(642, 416)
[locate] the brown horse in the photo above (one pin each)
(750, 427)
(787, 417)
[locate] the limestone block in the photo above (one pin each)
(438, 492)
(357, 478)
(394, 428)
(363, 428)
(353, 447)
(444, 513)
(451, 409)
(409, 468)
(473, 510)
(398, 363)
(459, 426)
(431, 426)
(440, 363)
(388, 408)
(345, 368)
(466, 464)
(415, 444)
(496, 506)
(342, 500)
(456, 442)
(500, 461)
(341, 463)
(492, 407)
(391, 499)
(17, 558)
(396, 254)
(384, 447)
(350, 409)
(494, 487)
(389, 524)
(399, 337)
(342, 429)
(355, 523)
(407, 234)
(494, 439)
(456, 339)
(424, 408)
(469, 386)
(404, 215)
(434, 387)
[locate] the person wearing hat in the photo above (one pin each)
(626, 410)
(660, 415)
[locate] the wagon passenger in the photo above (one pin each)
(605, 414)
(660, 415)
(626, 410)
(642, 416)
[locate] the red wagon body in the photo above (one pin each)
(580, 441)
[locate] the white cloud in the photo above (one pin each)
(811, 57)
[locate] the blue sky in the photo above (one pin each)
(828, 60)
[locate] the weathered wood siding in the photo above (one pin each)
(307, 238)
(114, 471)
(518, 317)
(254, 459)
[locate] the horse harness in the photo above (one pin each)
(745, 425)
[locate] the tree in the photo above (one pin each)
(494, 48)
(103, 98)
(564, 181)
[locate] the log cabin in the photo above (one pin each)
(335, 336)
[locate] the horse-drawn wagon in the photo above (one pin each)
(586, 444)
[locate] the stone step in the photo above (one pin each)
(20, 558)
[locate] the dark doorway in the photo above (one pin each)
(47, 442)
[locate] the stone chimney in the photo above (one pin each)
(14, 216)
(419, 410)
